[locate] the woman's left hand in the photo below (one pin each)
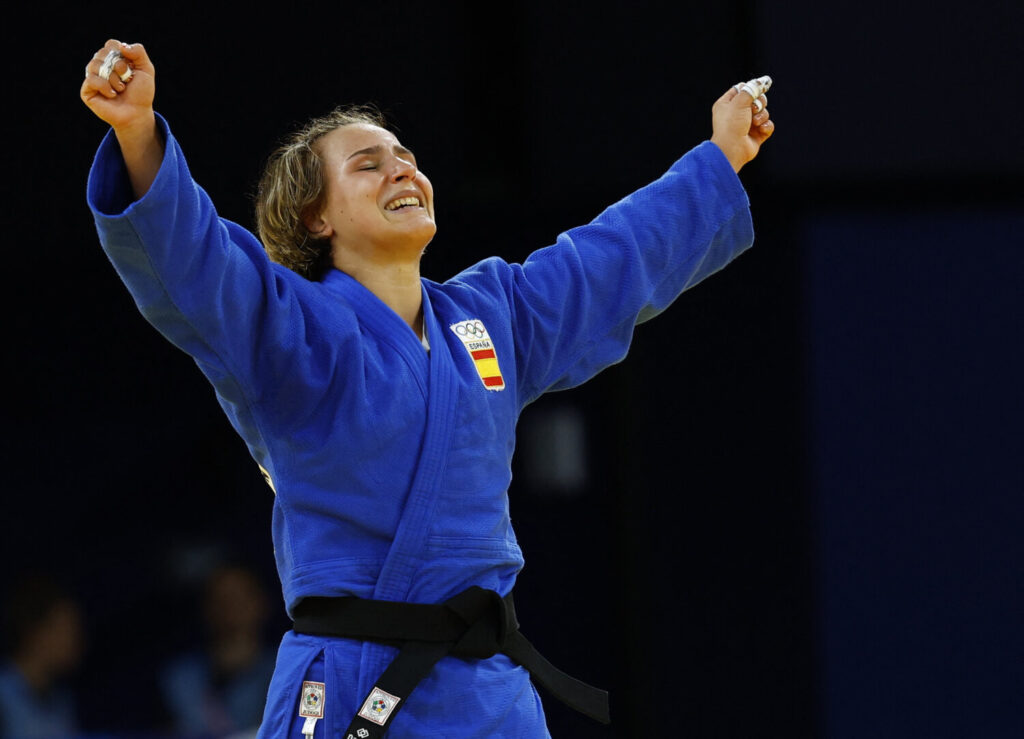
(738, 127)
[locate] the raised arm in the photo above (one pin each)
(575, 304)
(203, 281)
(121, 93)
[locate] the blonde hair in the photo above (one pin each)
(292, 187)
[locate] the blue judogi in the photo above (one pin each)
(391, 464)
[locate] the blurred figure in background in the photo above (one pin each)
(44, 634)
(221, 690)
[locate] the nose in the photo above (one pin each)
(403, 169)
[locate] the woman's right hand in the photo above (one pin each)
(125, 101)
(125, 105)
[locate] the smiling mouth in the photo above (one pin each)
(401, 203)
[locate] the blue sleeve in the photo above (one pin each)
(204, 282)
(575, 304)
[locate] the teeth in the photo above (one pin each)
(399, 202)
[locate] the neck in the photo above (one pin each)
(397, 284)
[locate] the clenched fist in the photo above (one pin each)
(120, 100)
(121, 94)
(740, 124)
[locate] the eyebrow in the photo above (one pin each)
(398, 149)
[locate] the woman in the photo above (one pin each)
(382, 406)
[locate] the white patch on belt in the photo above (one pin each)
(378, 706)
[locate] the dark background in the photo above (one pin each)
(798, 504)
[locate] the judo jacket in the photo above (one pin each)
(391, 464)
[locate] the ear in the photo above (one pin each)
(317, 226)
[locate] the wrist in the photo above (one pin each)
(138, 135)
(733, 153)
(142, 147)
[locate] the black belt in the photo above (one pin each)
(476, 623)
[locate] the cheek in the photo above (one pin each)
(428, 190)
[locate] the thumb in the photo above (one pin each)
(728, 97)
(742, 97)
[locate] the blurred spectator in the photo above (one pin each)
(221, 690)
(43, 626)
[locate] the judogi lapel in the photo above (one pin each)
(405, 557)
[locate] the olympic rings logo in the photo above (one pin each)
(474, 329)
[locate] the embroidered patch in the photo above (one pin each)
(474, 337)
(379, 706)
(311, 705)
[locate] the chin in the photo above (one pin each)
(426, 233)
(413, 242)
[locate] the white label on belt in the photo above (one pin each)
(379, 706)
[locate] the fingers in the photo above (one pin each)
(727, 96)
(119, 86)
(745, 91)
(107, 72)
(762, 133)
(762, 126)
(137, 56)
(116, 58)
(762, 122)
(757, 103)
(94, 84)
(741, 121)
(109, 51)
(756, 91)
(112, 68)
(755, 87)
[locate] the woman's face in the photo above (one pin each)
(377, 202)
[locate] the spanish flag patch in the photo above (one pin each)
(474, 337)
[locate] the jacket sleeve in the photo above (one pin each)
(574, 304)
(204, 282)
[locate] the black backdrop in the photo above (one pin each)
(684, 572)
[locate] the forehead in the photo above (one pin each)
(342, 142)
